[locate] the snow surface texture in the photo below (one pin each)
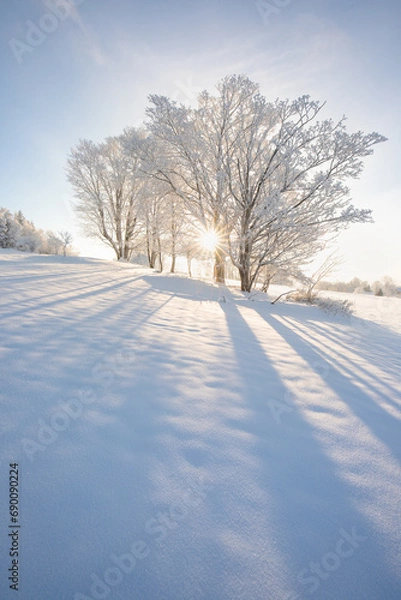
(180, 441)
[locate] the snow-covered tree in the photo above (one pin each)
(108, 187)
(8, 229)
(17, 232)
(268, 177)
(389, 286)
(54, 244)
(187, 154)
(377, 289)
(66, 240)
(181, 231)
(153, 222)
(384, 287)
(29, 238)
(165, 219)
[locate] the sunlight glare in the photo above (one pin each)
(209, 240)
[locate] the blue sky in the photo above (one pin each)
(90, 74)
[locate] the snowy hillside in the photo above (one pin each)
(180, 441)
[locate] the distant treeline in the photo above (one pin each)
(384, 287)
(19, 233)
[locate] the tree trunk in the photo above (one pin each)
(172, 269)
(189, 265)
(245, 268)
(219, 267)
(128, 251)
(159, 253)
(266, 282)
(152, 259)
(125, 254)
(246, 282)
(173, 252)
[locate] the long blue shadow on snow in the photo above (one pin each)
(383, 425)
(65, 338)
(312, 501)
(100, 290)
(90, 490)
(376, 344)
(112, 467)
(193, 289)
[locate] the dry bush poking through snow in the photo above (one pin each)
(333, 306)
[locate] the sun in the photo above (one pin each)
(209, 239)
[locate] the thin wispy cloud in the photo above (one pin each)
(89, 39)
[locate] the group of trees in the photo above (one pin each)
(19, 233)
(265, 180)
(385, 287)
(119, 202)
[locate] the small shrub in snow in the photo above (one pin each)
(335, 306)
(330, 305)
(303, 296)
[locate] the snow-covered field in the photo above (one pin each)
(176, 440)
